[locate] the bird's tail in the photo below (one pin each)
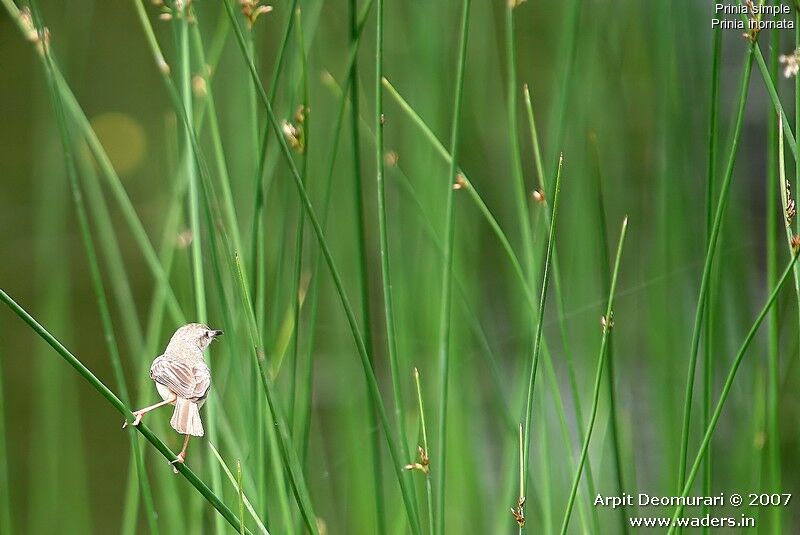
(186, 418)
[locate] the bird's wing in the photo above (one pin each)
(188, 380)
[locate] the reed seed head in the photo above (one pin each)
(791, 63)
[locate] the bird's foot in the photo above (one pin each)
(136, 420)
(181, 457)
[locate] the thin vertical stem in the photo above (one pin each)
(608, 325)
(447, 273)
(521, 196)
(428, 489)
(96, 278)
(569, 46)
(726, 388)
(241, 494)
(537, 340)
(708, 346)
(282, 439)
(521, 498)
(258, 245)
(302, 118)
(361, 252)
(773, 335)
(383, 233)
(198, 273)
(605, 255)
(559, 296)
(710, 252)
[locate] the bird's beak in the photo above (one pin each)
(216, 333)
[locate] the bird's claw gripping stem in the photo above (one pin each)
(181, 457)
(136, 420)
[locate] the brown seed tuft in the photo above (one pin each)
(607, 322)
(519, 512)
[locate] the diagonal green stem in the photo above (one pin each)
(112, 398)
(708, 355)
(772, 91)
(374, 389)
(710, 253)
(291, 461)
(607, 327)
(537, 339)
(237, 483)
(729, 383)
(605, 255)
(559, 297)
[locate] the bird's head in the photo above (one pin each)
(195, 335)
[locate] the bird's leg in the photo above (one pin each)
(182, 455)
(141, 412)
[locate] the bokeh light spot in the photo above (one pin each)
(123, 139)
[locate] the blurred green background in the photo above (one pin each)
(620, 88)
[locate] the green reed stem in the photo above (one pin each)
(112, 399)
(537, 339)
(605, 256)
(608, 319)
(710, 253)
(708, 360)
(428, 488)
(386, 280)
(447, 271)
(288, 452)
(773, 460)
(729, 383)
(97, 282)
(363, 264)
(237, 484)
(374, 389)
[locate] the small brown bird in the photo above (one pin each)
(183, 379)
